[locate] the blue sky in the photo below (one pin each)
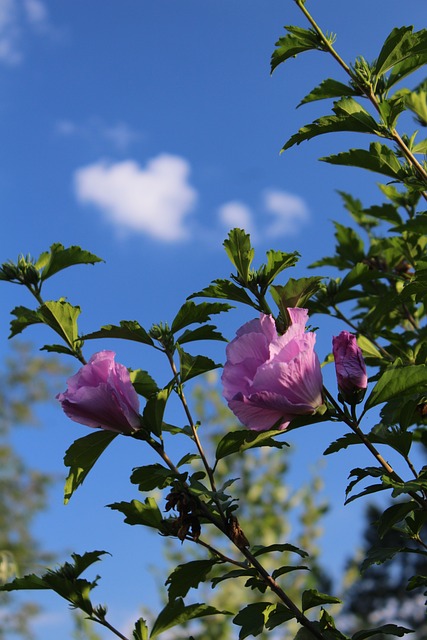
(143, 131)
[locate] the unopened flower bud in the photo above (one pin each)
(350, 368)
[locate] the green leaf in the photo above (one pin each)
(312, 598)
(225, 289)
(58, 348)
(61, 316)
(277, 261)
(58, 258)
(188, 576)
(152, 416)
(239, 441)
(400, 44)
(81, 457)
(296, 41)
(239, 249)
(394, 514)
(342, 443)
(329, 89)
(386, 629)
(235, 573)
(278, 616)
(207, 332)
(152, 476)
(24, 318)
(128, 330)
(379, 158)
(143, 383)
(146, 513)
(252, 618)
(140, 631)
(397, 382)
(295, 293)
(192, 366)
(176, 613)
(191, 313)
(349, 116)
(282, 548)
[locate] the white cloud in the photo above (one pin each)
(236, 214)
(287, 213)
(120, 135)
(289, 210)
(17, 18)
(154, 200)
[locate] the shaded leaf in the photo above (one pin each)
(285, 547)
(238, 441)
(225, 289)
(252, 618)
(128, 330)
(385, 629)
(394, 514)
(398, 382)
(143, 383)
(58, 258)
(81, 457)
(312, 598)
(379, 158)
(295, 293)
(277, 261)
(24, 318)
(192, 366)
(329, 88)
(175, 613)
(191, 313)
(188, 576)
(207, 332)
(240, 251)
(152, 416)
(152, 476)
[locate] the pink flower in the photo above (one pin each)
(271, 379)
(350, 367)
(101, 395)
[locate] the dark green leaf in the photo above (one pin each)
(240, 251)
(152, 416)
(277, 261)
(59, 258)
(238, 441)
(146, 513)
(225, 289)
(329, 89)
(295, 293)
(128, 330)
(176, 613)
(260, 550)
(386, 629)
(81, 457)
(24, 318)
(236, 573)
(143, 383)
(287, 569)
(296, 41)
(379, 555)
(252, 618)
(394, 514)
(278, 615)
(58, 348)
(379, 158)
(398, 382)
(192, 366)
(400, 44)
(188, 576)
(191, 313)
(152, 476)
(207, 332)
(312, 598)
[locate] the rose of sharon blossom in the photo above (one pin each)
(101, 395)
(270, 378)
(350, 367)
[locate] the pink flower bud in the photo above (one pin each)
(270, 378)
(350, 367)
(101, 395)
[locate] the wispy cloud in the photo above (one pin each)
(18, 18)
(283, 214)
(120, 135)
(154, 200)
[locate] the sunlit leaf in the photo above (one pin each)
(59, 258)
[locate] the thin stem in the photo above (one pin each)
(219, 554)
(110, 627)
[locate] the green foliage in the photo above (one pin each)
(176, 613)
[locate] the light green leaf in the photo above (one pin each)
(81, 457)
(24, 318)
(296, 41)
(61, 316)
(146, 513)
(397, 382)
(143, 383)
(277, 261)
(400, 44)
(176, 613)
(59, 258)
(140, 631)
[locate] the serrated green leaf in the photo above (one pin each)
(24, 318)
(277, 261)
(140, 631)
(175, 613)
(192, 366)
(281, 547)
(385, 629)
(152, 476)
(296, 41)
(58, 348)
(312, 598)
(379, 158)
(191, 313)
(288, 569)
(81, 457)
(146, 513)
(143, 383)
(397, 382)
(152, 416)
(239, 441)
(394, 514)
(329, 88)
(278, 616)
(128, 330)
(227, 290)
(342, 443)
(188, 576)
(400, 44)
(61, 316)
(240, 251)
(252, 618)
(295, 293)
(207, 332)
(58, 258)
(235, 573)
